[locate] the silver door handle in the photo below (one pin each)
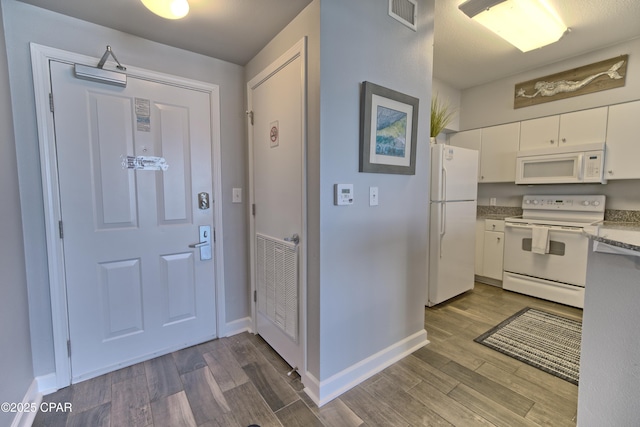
(205, 242)
(293, 239)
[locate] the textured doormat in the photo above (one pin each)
(546, 341)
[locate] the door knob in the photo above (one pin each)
(293, 239)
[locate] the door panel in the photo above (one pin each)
(277, 135)
(115, 192)
(134, 287)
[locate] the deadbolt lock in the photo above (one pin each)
(203, 201)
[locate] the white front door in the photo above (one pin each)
(277, 101)
(135, 289)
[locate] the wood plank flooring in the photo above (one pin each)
(240, 380)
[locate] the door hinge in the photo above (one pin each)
(253, 209)
(250, 115)
(255, 296)
(214, 235)
(51, 102)
(61, 229)
(69, 348)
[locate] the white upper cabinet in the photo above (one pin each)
(498, 154)
(578, 127)
(471, 139)
(623, 142)
(539, 133)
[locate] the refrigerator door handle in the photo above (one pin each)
(443, 223)
(444, 184)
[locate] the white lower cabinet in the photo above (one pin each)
(493, 252)
(489, 249)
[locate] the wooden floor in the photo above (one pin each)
(240, 380)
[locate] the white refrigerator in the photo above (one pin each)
(453, 199)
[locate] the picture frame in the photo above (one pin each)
(388, 130)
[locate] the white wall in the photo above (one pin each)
(373, 272)
(24, 24)
(492, 104)
(452, 97)
(16, 369)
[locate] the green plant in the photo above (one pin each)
(441, 115)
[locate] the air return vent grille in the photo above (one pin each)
(404, 11)
(277, 283)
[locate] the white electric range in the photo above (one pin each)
(545, 250)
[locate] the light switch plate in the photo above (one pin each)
(373, 196)
(237, 195)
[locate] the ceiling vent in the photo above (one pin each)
(404, 11)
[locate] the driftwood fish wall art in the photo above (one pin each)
(591, 78)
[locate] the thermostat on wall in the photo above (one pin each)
(342, 194)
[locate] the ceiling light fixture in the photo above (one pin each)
(169, 9)
(526, 24)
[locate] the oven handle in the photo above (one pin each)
(550, 227)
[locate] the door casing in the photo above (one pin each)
(297, 50)
(40, 57)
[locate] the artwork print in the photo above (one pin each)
(603, 75)
(391, 132)
(388, 131)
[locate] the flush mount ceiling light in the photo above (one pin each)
(169, 9)
(526, 24)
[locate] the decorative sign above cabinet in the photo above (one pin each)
(595, 77)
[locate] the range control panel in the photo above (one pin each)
(580, 203)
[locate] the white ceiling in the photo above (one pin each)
(465, 53)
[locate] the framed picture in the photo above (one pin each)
(388, 131)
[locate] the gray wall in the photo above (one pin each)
(609, 370)
(373, 274)
(24, 24)
(306, 24)
(367, 265)
(16, 370)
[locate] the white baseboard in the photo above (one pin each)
(322, 392)
(47, 384)
(237, 327)
(32, 398)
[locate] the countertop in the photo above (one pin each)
(621, 237)
(497, 212)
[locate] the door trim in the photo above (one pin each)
(40, 57)
(298, 50)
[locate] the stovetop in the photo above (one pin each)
(562, 211)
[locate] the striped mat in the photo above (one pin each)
(546, 341)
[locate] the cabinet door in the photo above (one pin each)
(623, 142)
(479, 247)
(498, 154)
(468, 139)
(539, 133)
(583, 127)
(493, 253)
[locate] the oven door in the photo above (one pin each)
(566, 261)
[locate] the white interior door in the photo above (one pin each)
(276, 98)
(135, 289)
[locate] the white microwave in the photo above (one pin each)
(562, 165)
